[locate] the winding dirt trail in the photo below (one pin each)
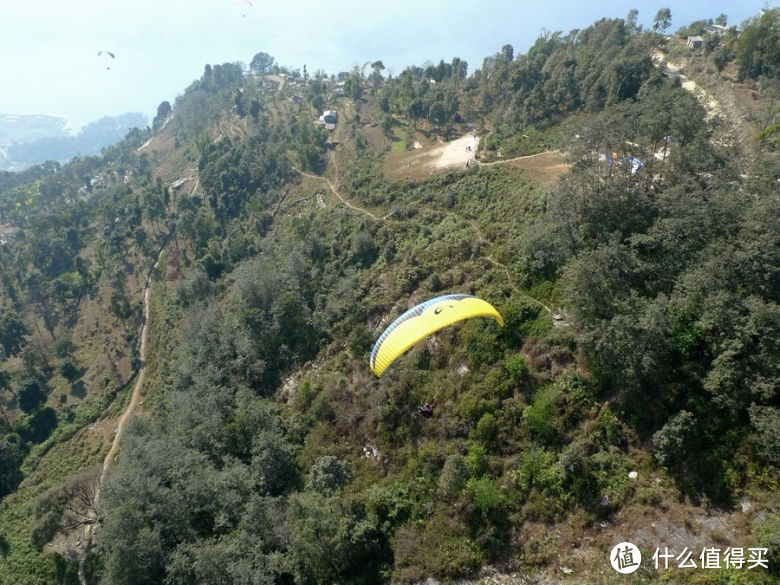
(337, 194)
(489, 258)
(473, 223)
(135, 399)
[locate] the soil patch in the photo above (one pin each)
(434, 159)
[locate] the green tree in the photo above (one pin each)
(758, 51)
(766, 422)
(328, 474)
(12, 332)
(353, 85)
(10, 459)
(486, 495)
(662, 20)
(31, 394)
(454, 475)
(631, 25)
(676, 440)
(376, 76)
(331, 543)
(69, 369)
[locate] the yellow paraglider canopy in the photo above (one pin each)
(422, 320)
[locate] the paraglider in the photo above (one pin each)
(426, 410)
(108, 54)
(421, 321)
(247, 2)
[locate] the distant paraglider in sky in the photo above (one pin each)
(107, 55)
(244, 2)
(421, 321)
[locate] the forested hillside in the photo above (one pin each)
(632, 394)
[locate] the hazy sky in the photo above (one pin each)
(48, 49)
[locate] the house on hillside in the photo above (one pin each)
(328, 119)
(695, 42)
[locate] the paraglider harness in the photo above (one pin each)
(427, 409)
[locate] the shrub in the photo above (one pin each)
(540, 415)
(766, 421)
(486, 431)
(481, 340)
(517, 366)
(767, 535)
(485, 493)
(69, 369)
(63, 347)
(329, 474)
(674, 441)
(442, 549)
(477, 459)
(11, 456)
(454, 475)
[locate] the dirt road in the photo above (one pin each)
(336, 193)
(135, 399)
(710, 104)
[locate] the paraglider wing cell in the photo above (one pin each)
(421, 321)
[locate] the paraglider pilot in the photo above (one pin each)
(427, 409)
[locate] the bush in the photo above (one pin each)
(329, 474)
(485, 493)
(442, 549)
(519, 317)
(517, 366)
(767, 535)
(540, 416)
(674, 441)
(477, 459)
(31, 393)
(454, 475)
(481, 340)
(10, 460)
(486, 431)
(63, 347)
(69, 369)
(766, 421)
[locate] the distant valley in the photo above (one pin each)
(29, 139)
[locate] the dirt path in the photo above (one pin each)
(557, 319)
(337, 194)
(722, 113)
(135, 399)
(528, 157)
(708, 102)
(495, 262)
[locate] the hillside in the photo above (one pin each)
(216, 284)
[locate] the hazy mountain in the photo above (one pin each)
(29, 127)
(26, 140)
